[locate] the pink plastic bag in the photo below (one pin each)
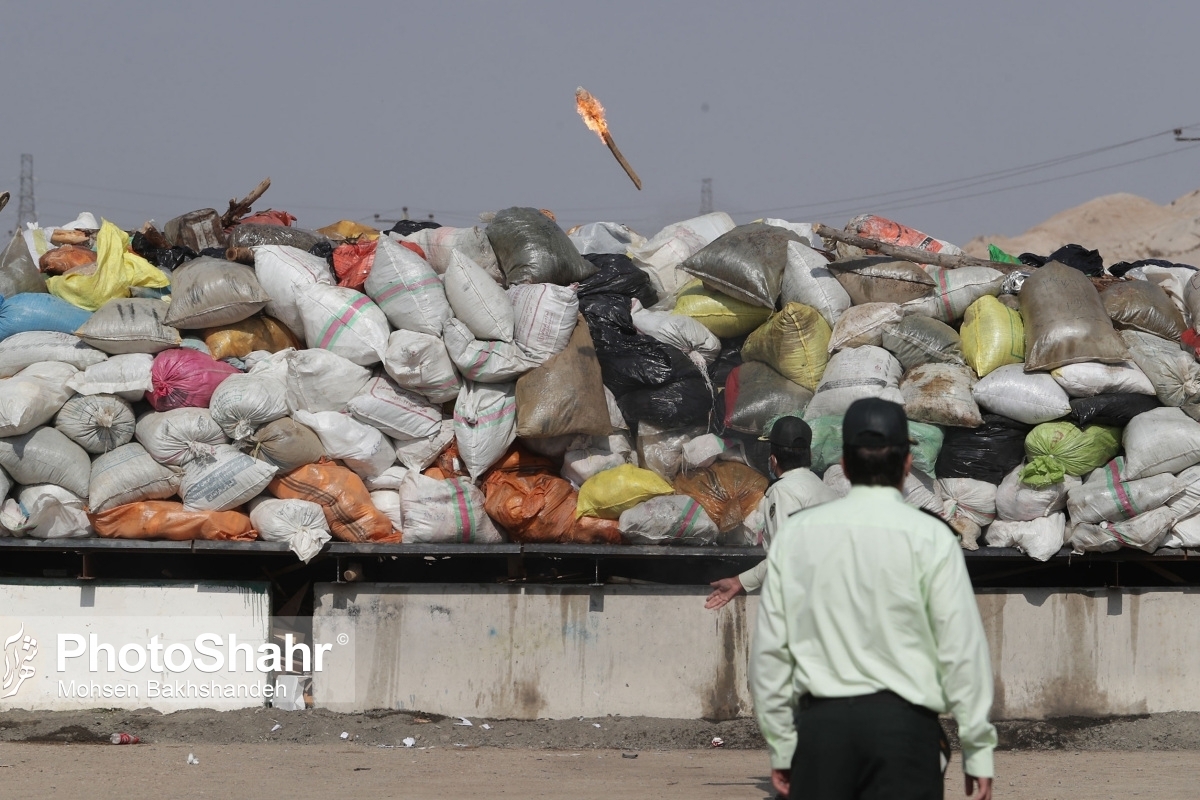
(183, 377)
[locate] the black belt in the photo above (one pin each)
(808, 701)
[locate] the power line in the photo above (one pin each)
(902, 204)
(980, 179)
(26, 211)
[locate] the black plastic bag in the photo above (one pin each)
(617, 274)
(1111, 409)
(407, 227)
(167, 258)
(986, 453)
(531, 248)
(727, 360)
(1076, 256)
(684, 400)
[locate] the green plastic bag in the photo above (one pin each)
(827, 443)
(1058, 449)
(996, 254)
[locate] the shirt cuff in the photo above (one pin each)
(978, 764)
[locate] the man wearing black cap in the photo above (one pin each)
(867, 630)
(794, 488)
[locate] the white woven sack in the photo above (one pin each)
(345, 322)
(683, 333)
(544, 316)
(1145, 532)
(1160, 440)
(46, 512)
(445, 511)
(1039, 538)
(420, 453)
(407, 289)
(807, 280)
(388, 501)
(1174, 373)
(25, 349)
(390, 478)
(129, 475)
(44, 455)
(661, 256)
(395, 411)
(127, 376)
(180, 435)
(671, 519)
(419, 362)
(318, 380)
(969, 498)
(1090, 378)
(440, 245)
(298, 523)
(284, 273)
(1029, 397)
(851, 375)
(223, 479)
(1020, 503)
(484, 362)
(955, 289)
(595, 455)
(478, 301)
(940, 394)
(97, 423)
(862, 325)
(362, 448)
(485, 424)
(33, 396)
(1107, 495)
(244, 403)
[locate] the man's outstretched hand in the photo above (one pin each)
(979, 788)
(724, 590)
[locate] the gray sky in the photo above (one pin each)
(148, 110)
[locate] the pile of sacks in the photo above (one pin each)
(511, 381)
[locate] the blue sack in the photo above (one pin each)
(39, 312)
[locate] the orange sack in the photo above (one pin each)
(66, 258)
(341, 494)
(163, 519)
(727, 491)
(242, 338)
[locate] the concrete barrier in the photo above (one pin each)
(524, 652)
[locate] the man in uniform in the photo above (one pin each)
(867, 630)
(794, 487)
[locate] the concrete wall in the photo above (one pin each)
(525, 652)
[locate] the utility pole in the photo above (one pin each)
(706, 201)
(25, 208)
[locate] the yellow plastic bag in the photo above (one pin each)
(346, 229)
(116, 270)
(795, 342)
(242, 338)
(608, 493)
(992, 335)
(721, 314)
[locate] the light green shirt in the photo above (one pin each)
(866, 594)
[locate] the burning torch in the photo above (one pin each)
(593, 116)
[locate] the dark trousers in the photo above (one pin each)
(876, 747)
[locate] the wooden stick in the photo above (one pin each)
(240, 208)
(914, 254)
(608, 140)
(4, 199)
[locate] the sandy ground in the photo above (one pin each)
(347, 769)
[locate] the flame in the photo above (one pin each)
(592, 112)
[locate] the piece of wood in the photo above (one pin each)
(155, 237)
(913, 254)
(63, 236)
(240, 208)
(4, 199)
(242, 255)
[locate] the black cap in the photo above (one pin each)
(873, 422)
(790, 432)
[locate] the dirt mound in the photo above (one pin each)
(1123, 227)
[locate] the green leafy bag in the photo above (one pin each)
(1058, 449)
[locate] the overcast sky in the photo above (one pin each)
(148, 110)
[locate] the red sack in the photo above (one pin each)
(352, 261)
(183, 377)
(268, 217)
